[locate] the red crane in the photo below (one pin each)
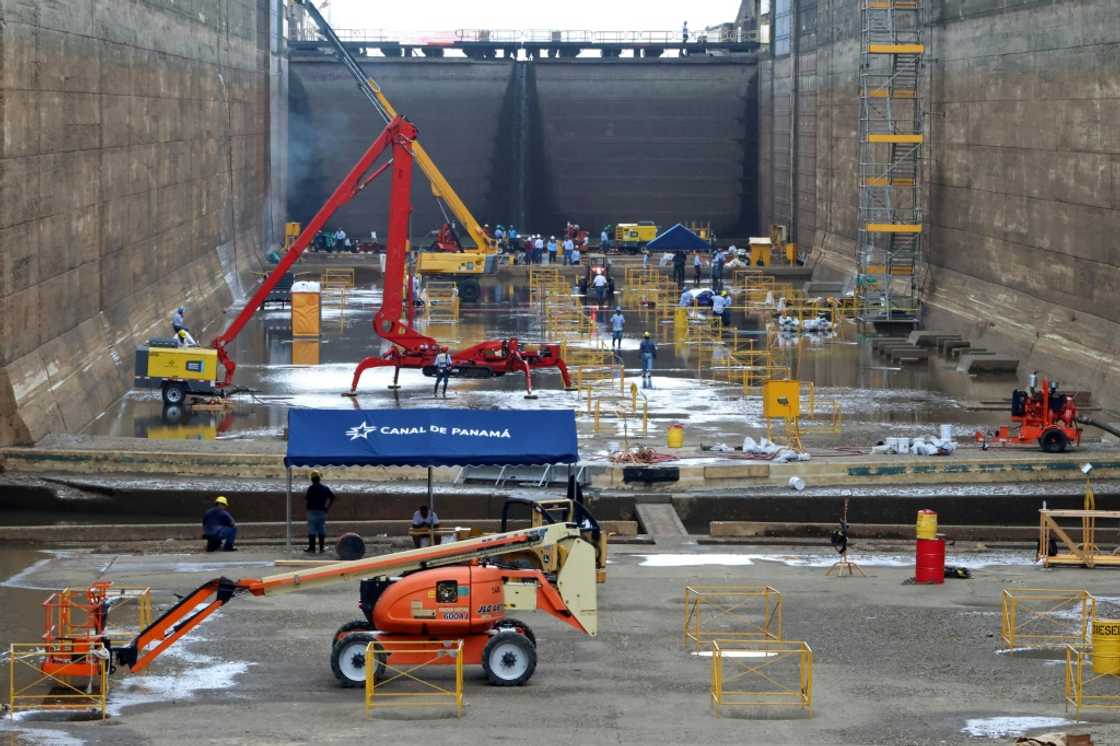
(410, 349)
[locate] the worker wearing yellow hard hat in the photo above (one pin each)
(218, 527)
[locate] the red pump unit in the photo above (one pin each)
(1040, 415)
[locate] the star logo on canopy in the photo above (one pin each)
(361, 431)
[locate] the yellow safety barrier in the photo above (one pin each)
(58, 675)
(393, 674)
(731, 612)
(762, 673)
(1045, 617)
(441, 302)
(1084, 688)
(130, 610)
(339, 278)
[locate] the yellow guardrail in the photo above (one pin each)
(59, 675)
(1045, 617)
(441, 301)
(395, 676)
(731, 612)
(762, 673)
(1085, 688)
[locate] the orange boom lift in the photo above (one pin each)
(461, 590)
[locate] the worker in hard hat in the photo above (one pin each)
(318, 501)
(443, 365)
(648, 348)
(726, 313)
(218, 527)
(177, 322)
(183, 338)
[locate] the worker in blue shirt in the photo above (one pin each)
(177, 320)
(618, 321)
(218, 527)
(648, 348)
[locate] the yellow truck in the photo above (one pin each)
(178, 372)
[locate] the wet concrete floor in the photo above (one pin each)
(893, 663)
(876, 398)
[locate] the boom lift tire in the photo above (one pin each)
(358, 625)
(516, 625)
(1053, 441)
(469, 291)
(509, 659)
(348, 660)
(174, 393)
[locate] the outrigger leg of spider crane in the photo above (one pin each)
(461, 590)
(193, 371)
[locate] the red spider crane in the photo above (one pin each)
(411, 349)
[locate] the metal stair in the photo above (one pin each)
(891, 138)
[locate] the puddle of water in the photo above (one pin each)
(1010, 725)
(312, 372)
(21, 603)
(202, 673)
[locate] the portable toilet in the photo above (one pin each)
(306, 309)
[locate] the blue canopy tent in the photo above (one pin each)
(678, 238)
(427, 437)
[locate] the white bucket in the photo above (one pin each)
(946, 432)
(797, 483)
(904, 445)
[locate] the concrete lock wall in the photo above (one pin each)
(135, 175)
(538, 143)
(1022, 177)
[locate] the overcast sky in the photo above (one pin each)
(590, 15)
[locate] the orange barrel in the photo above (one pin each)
(676, 435)
(1106, 646)
(929, 566)
(927, 524)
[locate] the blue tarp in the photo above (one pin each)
(430, 437)
(678, 238)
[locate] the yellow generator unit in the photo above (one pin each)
(635, 234)
(176, 371)
(461, 267)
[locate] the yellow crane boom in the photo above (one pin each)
(441, 187)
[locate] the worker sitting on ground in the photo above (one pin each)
(218, 527)
(686, 298)
(648, 348)
(183, 338)
(424, 519)
(618, 321)
(318, 500)
(177, 320)
(443, 371)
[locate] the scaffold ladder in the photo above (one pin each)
(890, 228)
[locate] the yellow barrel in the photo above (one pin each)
(927, 524)
(676, 435)
(1106, 646)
